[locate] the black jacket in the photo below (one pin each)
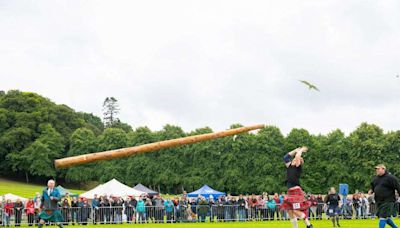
(384, 188)
(332, 199)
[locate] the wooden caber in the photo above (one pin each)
(124, 152)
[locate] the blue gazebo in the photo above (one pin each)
(206, 191)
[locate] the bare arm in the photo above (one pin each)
(294, 152)
(289, 155)
(298, 160)
(296, 155)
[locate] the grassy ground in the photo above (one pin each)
(23, 189)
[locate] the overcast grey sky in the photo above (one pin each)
(210, 63)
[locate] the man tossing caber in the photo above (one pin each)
(295, 201)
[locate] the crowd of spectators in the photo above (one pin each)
(157, 209)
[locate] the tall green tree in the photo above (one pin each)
(367, 149)
(167, 162)
(110, 111)
(22, 117)
(138, 167)
(198, 170)
(124, 126)
(37, 159)
(92, 122)
(110, 139)
(4, 125)
(333, 156)
(391, 150)
(82, 141)
(269, 162)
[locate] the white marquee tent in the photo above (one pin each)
(114, 188)
(12, 197)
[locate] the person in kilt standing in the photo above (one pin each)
(332, 201)
(384, 186)
(49, 204)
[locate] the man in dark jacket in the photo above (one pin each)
(241, 208)
(384, 186)
(202, 209)
(95, 207)
(130, 207)
(158, 204)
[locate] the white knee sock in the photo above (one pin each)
(306, 221)
(294, 222)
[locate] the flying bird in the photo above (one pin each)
(310, 86)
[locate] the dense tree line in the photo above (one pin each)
(34, 131)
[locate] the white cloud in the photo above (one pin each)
(210, 63)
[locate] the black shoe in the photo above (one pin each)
(310, 226)
(338, 225)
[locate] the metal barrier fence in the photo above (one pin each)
(180, 213)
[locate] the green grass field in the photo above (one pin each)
(23, 189)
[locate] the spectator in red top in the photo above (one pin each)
(8, 212)
(252, 201)
(30, 211)
(312, 212)
(175, 201)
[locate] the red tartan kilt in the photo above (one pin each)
(295, 200)
(293, 206)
